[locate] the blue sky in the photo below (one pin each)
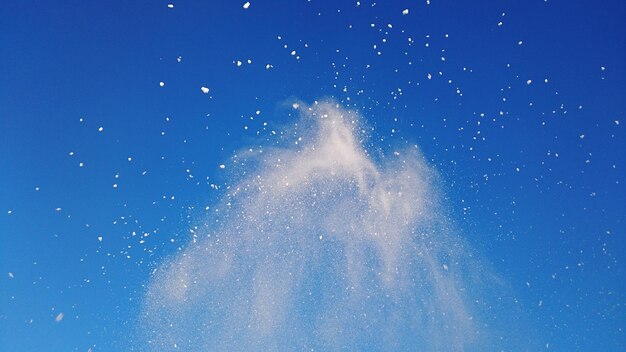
(518, 106)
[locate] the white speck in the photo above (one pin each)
(295, 105)
(258, 112)
(81, 164)
(405, 12)
(99, 238)
(161, 84)
(445, 267)
(429, 76)
(11, 275)
(582, 136)
(268, 66)
(238, 63)
(115, 185)
(58, 209)
(617, 122)
(170, 6)
(246, 5)
(603, 68)
(293, 53)
(204, 90)
(529, 81)
(10, 212)
(100, 129)
(130, 159)
(222, 166)
(520, 42)
(59, 318)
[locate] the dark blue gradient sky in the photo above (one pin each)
(519, 106)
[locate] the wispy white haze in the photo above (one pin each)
(321, 245)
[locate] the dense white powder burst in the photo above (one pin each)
(321, 246)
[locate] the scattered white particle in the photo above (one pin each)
(59, 318)
(295, 105)
(100, 129)
(99, 238)
(58, 209)
(161, 84)
(115, 185)
(520, 42)
(81, 164)
(617, 122)
(445, 267)
(222, 166)
(529, 81)
(130, 158)
(258, 112)
(246, 5)
(204, 90)
(11, 275)
(10, 212)
(238, 63)
(405, 12)
(268, 66)
(603, 68)
(293, 53)
(582, 136)
(170, 6)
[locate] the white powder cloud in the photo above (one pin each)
(320, 246)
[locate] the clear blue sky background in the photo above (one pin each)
(523, 115)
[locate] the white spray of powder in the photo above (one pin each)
(320, 247)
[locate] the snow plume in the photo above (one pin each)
(321, 246)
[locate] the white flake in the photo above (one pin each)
(246, 5)
(405, 12)
(204, 90)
